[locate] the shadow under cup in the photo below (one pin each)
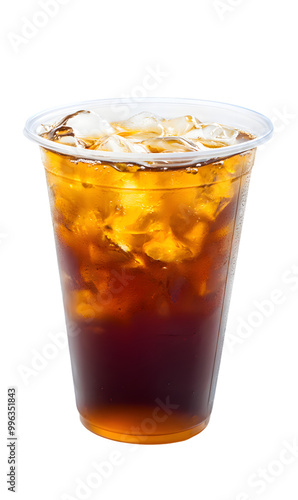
(147, 247)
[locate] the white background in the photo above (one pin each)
(242, 52)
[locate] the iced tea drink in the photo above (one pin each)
(146, 246)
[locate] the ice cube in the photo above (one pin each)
(118, 144)
(214, 199)
(180, 125)
(196, 235)
(170, 145)
(130, 226)
(185, 223)
(84, 303)
(144, 121)
(80, 125)
(65, 135)
(43, 129)
(167, 248)
(88, 124)
(69, 140)
(139, 137)
(213, 135)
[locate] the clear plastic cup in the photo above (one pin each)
(147, 246)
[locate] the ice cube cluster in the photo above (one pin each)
(142, 133)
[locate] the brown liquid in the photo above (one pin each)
(144, 261)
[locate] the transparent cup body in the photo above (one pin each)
(147, 248)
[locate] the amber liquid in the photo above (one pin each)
(144, 274)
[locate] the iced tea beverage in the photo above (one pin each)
(147, 214)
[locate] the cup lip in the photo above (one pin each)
(31, 125)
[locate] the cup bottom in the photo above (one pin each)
(152, 438)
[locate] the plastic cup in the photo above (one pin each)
(147, 247)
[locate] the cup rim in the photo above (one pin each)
(198, 157)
